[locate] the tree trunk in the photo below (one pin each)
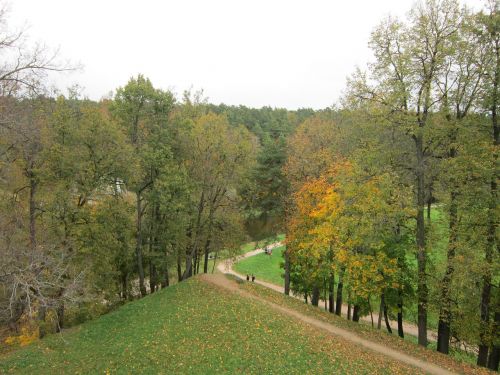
(198, 262)
(287, 273)
(338, 307)
(209, 238)
(32, 211)
(386, 317)
(315, 296)
(422, 289)
(380, 312)
(445, 316)
(207, 251)
(371, 311)
(494, 357)
(324, 295)
(195, 263)
(179, 267)
(443, 343)
(124, 286)
(60, 317)
(331, 293)
(429, 203)
(152, 277)
(166, 279)
(482, 357)
(188, 272)
(42, 312)
(138, 245)
(349, 306)
(355, 314)
(215, 261)
(400, 314)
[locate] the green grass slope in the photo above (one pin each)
(195, 328)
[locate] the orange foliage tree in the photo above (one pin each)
(346, 221)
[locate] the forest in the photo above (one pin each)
(388, 200)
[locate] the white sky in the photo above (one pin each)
(255, 52)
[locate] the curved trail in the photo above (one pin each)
(226, 267)
(221, 281)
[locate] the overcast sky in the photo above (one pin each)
(257, 52)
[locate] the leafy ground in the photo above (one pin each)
(264, 267)
(194, 327)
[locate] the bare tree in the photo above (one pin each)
(24, 66)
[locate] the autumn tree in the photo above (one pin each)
(218, 157)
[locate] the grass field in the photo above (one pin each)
(195, 328)
(264, 267)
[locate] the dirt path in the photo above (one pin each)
(223, 282)
(226, 267)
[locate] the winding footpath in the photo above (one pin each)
(225, 267)
(223, 282)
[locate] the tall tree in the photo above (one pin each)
(218, 156)
(460, 85)
(144, 112)
(490, 32)
(409, 59)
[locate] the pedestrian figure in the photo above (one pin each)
(253, 278)
(248, 278)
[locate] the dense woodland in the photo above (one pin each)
(388, 200)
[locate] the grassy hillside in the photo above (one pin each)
(194, 327)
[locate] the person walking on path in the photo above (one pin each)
(253, 278)
(248, 278)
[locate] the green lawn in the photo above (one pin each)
(264, 267)
(195, 328)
